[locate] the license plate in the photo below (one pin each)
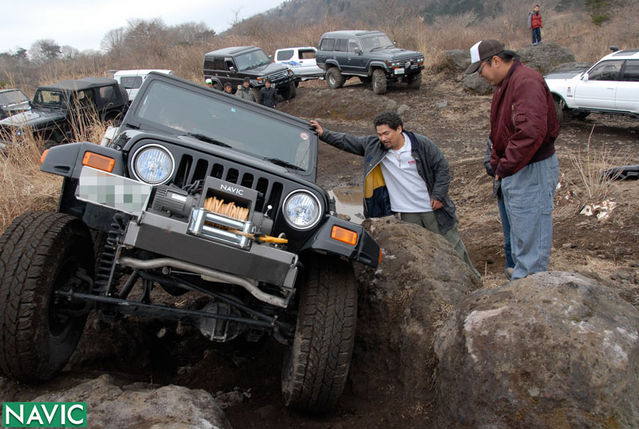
(113, 191)
(399, 71)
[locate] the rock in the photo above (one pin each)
(477, 84)
(550, 350)
(545, 57)
(401, 304)
(142, 405)
(456, 60)
(402, 109)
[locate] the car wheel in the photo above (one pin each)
(290, 91)
(316, 365)
(560, 106)
(40, 254)
(334, 78)
(415, 81)
(579, 114)
(379, 81)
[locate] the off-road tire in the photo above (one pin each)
(40, 253)
(379, 81)
(316, 365)
(415, 81)
(560, 106)
(579, 114)
(289, 92)
(334, 78)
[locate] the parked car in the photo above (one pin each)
(57, 108)
(235, 63)
(13, 101)
(301, 60)
(609, 86)
(369, 55)
(131, 80)
(211, 198)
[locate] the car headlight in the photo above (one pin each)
(302, 210)
(152, 164)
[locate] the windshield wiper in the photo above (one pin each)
(207, 139)
(283, 163)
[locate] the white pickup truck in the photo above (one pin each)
(609, 86)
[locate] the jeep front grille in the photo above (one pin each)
(279, 75)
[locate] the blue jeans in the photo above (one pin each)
(536, 35)
(505, 226)
(529, 198)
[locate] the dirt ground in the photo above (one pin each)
(458, 123)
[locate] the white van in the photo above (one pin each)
(301, 60)
(132, 80)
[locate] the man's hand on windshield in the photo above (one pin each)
(318, 128)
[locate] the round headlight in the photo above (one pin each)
(302, 210)
(152, 164)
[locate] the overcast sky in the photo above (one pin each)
(83, 24)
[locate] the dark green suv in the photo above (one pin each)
(211, 199)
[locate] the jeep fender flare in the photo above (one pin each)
(66, 160)
(366, 250)
(377, 65)
(332, 63)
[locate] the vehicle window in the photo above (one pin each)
(12, 97)
(284, 55)
(607, 70)
(131, 82)
(48, 97)
(378, 41)
(341, 45)
(307, 54)
(108, 94)
(631, 71)
(218, 64)
(352, 45)
(241, 128)
(327, 45)
(83, 98)
(251, 60)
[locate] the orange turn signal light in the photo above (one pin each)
(344, 235)
(380, 257)
(100, 162)
(43, 156)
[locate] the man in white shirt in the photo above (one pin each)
(405, 173)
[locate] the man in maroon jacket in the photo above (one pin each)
(523, 129)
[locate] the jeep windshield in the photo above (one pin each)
(12, 97)
(252, 59)
(49, 98)
(378, 41)
(215, 120)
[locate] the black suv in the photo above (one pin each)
(235, 63)
(370, 55)
(56, 109)
(210, 198)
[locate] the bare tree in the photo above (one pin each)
(44, 50)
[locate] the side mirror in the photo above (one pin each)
(232, 69)
(358, 51)
(584, 77)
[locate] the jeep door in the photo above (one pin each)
(232, 73)
(342, 55)
(355, 60)
(628, 87)
(599, 90)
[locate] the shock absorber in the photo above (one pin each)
(107, 271)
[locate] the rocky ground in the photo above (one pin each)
(247, 381)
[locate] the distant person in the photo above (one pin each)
(209, 82)
(405, 173)
(505, 224)
(268, 94)
(523, 129)
(244, 91)
(228, 88)
(535, 25)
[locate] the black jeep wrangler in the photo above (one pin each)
(235, 63)
(203, 195)
(58, 109)
(370, 55)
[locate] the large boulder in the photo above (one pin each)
(477, 84)
(551, 350)
(141, 405)
(401, 305)
(456, 60)
(546, 56)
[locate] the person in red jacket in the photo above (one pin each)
(523, 129)
(535, 25)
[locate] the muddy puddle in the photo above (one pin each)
(348, 201)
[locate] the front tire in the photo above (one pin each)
(316, 365)
(379, 81)
(290, 91)
(334, 78)
(39, 254)
(415, 81)
(560, 106)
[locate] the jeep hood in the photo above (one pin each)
(33, 118)
(397, 53)
(267, 69)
